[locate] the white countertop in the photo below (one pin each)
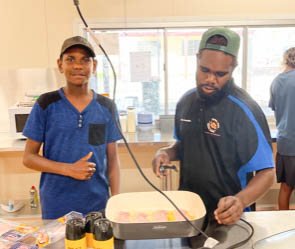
(9, 144)
(265, 223)
(25, 212)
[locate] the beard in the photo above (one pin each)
(213, 97)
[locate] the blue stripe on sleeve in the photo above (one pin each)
(263, 157)
(175, 135)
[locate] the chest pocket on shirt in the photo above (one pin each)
(97, 134)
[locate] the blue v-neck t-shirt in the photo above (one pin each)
(67, 136)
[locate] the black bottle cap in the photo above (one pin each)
(90, 218)
(102, 230)
(75, 229)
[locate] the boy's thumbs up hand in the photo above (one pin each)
(83, 169)
(87, 157)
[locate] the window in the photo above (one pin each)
(266, 46)
(174, 50)
(137, 56)
(182, 46)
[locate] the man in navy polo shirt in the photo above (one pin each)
(76, 127)
(221, 134)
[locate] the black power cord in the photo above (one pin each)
(76, 3)
(240, 243)
(113, 110)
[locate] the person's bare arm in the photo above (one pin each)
(165, 156)
(113, 168)
(230, 208)
(80, 170)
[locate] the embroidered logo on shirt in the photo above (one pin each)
(213, 126)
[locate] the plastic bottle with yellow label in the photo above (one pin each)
(33, 197)
(103, 234)
(89, 226)
(75, 234)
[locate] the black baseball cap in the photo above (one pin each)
(233, 40)
(77, 41)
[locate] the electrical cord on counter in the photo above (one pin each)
(240, 243)
(213, 241)
(210, 241)
(76, 3)
(113, 110)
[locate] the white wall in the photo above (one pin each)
(16, 82)
(32, 31)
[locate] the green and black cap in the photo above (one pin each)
(233, 40)
(77, 41)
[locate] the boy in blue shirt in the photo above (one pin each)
(76, 127)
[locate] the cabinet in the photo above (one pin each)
(16, 180)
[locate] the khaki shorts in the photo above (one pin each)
(285, 169)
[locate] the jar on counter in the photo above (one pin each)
(123, 121)
(145, 121)
(131, 119)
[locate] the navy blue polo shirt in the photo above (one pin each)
(67, 136)
(220, 142)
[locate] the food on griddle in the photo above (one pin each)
(179, 217)
(123, 217)
(140, 217)
(160, 216)
(152, 216)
